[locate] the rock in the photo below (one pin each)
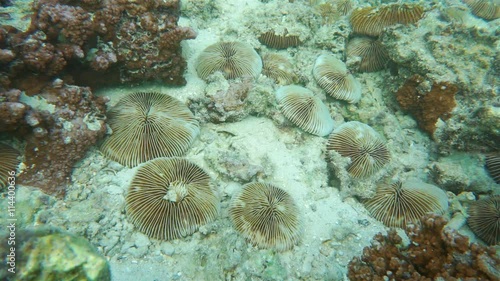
(51, 254)
(462, 172)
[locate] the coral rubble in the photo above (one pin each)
(434, 252)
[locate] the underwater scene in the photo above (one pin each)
(249, 140)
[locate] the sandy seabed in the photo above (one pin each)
(335, 225)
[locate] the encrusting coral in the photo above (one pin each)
(428, 107)
(89, 43)
(148, 125)
(96, 43)
(50, 254)
(471, 65)
(59, 134)
(170, 198)
(434, 253)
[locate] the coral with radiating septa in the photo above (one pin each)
(486, 9)
(373, 55)
(170, 198)
(492, 164)
(148, 125)
(484, 219)
(363, 145)
(278, 68)
(373, 20)
(267, 216)
(233, 59)
(332, 76)
(402, 203)
(305, 110)
(9, 160)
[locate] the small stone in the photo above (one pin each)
(140, 240)
(167, 248)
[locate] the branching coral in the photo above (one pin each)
(434, 252)
(428, 107)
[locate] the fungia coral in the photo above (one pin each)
(434, 253)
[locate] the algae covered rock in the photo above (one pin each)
(50, 254)
(463, 172)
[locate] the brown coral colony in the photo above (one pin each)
(435, 253)
(96, 42)
(427, 108)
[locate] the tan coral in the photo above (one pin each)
(267, 216)
(493, 166)
(278, 68)
(363, 145)
(233, 59)
(279, 41)
(332, 76)
(170, 198)
(148, 125)
(486, 9)
(305, 110)
(373, 55)
(400, 204)
(373, 20)
(9, 160)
